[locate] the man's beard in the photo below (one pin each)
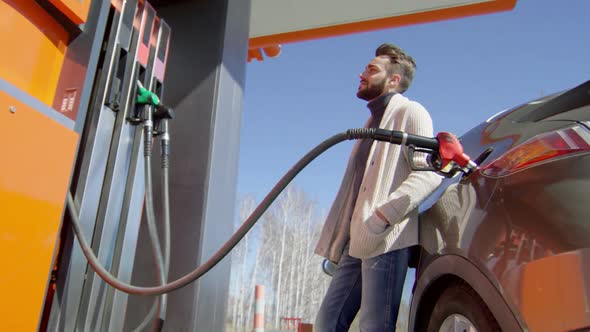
(372, 91)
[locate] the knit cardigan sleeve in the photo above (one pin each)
(419, 184)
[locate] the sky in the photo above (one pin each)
(468, 69)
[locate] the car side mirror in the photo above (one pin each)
(329, 267)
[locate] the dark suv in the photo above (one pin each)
(508, 247)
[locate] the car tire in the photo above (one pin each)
(459, 308)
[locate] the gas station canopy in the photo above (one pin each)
(276, 22)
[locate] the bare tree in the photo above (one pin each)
(279, 255)
(240, 275)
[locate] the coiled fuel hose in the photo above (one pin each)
(394, 137)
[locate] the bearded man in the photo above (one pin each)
(374, 218)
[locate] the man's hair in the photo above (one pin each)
(401, 64)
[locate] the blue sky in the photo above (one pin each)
(468, 70)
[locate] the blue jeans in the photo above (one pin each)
(372, 285)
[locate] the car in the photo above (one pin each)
(507, 247)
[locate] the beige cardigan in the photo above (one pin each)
(389, 185)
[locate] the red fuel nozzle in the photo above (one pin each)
(450, 149)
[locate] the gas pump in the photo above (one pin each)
(109, 186)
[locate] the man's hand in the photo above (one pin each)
(381, 218)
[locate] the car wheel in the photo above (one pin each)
(460, 309)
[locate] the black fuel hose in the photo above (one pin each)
(394, 137)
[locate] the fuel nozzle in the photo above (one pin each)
(158, 112)
(162, 114)
(449, 158)
(145, 96)
(145, 101)
(451, 150)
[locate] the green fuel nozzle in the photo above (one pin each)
(145, 96)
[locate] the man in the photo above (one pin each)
(374, 218)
